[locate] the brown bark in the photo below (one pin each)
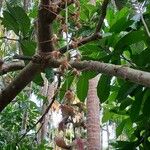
(126, 73)
(45, 45)
(25, 77)
(13, 66)
(93, 116)
(45, 119)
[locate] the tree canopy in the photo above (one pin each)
(51, 50)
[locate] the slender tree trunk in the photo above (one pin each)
(107, 129)
(24, 121)
(93, 116)
(101, 140)
(1, 3)
(42, 133)
(26, 4)
(48, 91)
(26, 113)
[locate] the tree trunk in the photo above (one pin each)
(1, 3)
(107, 129)
(26, 4)
(48, 91)
(93, 116)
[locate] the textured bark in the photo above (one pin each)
(126, 73)
(107, 130)
(13, 66)
(45, 119)
(93, 116)
(45, 33)
(16, 86)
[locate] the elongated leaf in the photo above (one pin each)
(120, 128)
(21, 18)
(103, 88)
(10, 22)
(146, 107)
(28, 47)
(82, 88)
(121, 21)
(127, 102)
(49, 74)
(136, 106)
(130, 38)
(38, 80)
(125, 90)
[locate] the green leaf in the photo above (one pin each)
(125, 90)
(146, 107)
(127, 102)
(107, 115)
(137, 48)
(142, 59)
(130, 38)
(10, 22)
(136, 106)
(103, 88)
(66, 85)
(82, 84)
(120, 127)
(38, 80)
(82, 87)
(21, 18)
(49, 74)
(121, 21)
(28, 47)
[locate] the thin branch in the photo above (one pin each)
(145, 25)
(93, 37)
(82, 42)
(21, 57)
(9, 67)
(11, 39)
(18, 84)
(102, 16)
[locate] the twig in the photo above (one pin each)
(94, 36)
(21, 57)
(102, 16)
(11, 39)
(145, 25)
(82, 42)
(9, 67)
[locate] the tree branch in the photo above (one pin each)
(11, 39)
(102, 16)
(133, 75)
(28, 73)
(45, 33)
(13, 66)
(93, 37)
(82, 42)
(19, 83)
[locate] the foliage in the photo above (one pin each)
(125, 42)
